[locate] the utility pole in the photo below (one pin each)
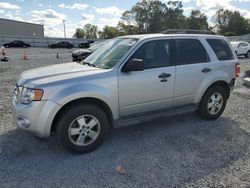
(64, 28)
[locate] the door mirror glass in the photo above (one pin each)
(133, 65)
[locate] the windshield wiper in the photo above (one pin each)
(89, 64)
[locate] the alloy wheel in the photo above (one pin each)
(84, 130)
(215, 103)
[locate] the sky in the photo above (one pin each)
(77, 13)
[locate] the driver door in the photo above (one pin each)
(152, 89)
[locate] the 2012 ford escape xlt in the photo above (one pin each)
(129, 78)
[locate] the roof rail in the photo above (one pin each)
(188, 31)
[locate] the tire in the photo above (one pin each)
(76, 126)
(248, 55)
(7, 46)
(210, 109)
(80, 58)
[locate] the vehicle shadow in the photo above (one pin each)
(166, 152)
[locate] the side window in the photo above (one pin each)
(244, 44)
(154, 54)
(190, 51)
(221, 49)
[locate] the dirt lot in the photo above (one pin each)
(182, 151)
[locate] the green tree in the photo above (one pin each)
(109, 32)
(230, 23)
(128, 17)
(151, 16)
(174, 18)
(197, 20)
(127, 29)
(79, 33)
(90, 31)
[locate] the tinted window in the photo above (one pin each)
(221, 49)
(154, 54)
(190, 51)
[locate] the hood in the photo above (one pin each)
(53, 73)
(81, 51)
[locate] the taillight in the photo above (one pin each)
(237, 70)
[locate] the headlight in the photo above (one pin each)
(28, 95)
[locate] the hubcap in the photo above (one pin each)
(248, 54)
(84, 130)
(215, 103)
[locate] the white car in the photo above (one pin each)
(241, 48)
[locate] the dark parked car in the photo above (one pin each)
(79, 55)
(61, 44)
(86, 44)
(16, 43)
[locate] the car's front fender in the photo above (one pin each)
(79, 91)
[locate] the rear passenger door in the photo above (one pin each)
(192, 67)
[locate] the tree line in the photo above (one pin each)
(154, 16)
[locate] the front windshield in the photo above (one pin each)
(235, 44)
(94, 47)
(110, 53)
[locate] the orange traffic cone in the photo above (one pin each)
(25, 57)
(5, 58)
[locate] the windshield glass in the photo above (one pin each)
(110, 53)
(235, 44)
(94, 47)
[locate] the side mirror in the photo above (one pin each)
(133, 65)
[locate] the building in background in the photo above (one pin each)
(18, 28)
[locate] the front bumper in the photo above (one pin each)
(38, 115)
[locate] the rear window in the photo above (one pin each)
(221, 49)
(190, 51)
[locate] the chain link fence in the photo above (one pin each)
(45, 41)
(39, 42)
(240, 38)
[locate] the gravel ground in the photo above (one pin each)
(182, 151)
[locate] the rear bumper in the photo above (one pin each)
(231, 84)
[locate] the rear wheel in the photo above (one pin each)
(82, 128)
(212, 103)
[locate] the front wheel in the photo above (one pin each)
(212, 103)
(82, 128)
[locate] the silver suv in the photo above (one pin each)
(129, 79)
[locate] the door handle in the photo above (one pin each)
(164, 75)
(206, 70)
